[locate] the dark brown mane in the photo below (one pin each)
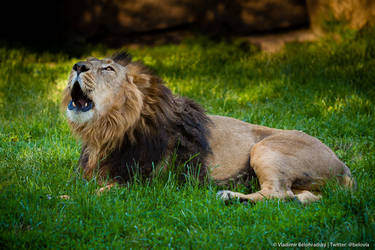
(167, 124)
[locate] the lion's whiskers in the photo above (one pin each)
(89, 81)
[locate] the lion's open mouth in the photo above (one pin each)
(80, 101)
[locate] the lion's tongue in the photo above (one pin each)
(81, 102)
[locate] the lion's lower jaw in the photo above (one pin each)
(79, 117)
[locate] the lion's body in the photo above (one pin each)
(286, 162)
(130, 122)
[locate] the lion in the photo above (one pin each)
(130, 122)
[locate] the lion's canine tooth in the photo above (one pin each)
(74, 104)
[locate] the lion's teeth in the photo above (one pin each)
(85, 104)
(74, 104)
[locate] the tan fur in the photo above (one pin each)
(289, 164)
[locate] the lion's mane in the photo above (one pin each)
(137, 135)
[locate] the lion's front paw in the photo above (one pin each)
(225, 195)
(101, 190)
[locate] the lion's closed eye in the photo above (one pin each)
(108, 68)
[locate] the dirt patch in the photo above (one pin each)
(273, 42)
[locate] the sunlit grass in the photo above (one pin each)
(325, 89)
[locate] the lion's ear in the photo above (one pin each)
(122, 57)
(140, 80)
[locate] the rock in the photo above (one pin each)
(121, 17)
(249, 16)
(354, 13)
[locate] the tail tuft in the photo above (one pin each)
(348, 181)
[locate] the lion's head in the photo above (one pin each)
(98, 87)
(114, 103)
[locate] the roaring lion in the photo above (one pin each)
(129, 121)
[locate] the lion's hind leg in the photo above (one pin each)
(227, 195)
(271, 168)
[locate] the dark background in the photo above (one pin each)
(117, 22)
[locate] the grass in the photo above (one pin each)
(325, 89)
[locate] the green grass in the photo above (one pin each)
(325, 89)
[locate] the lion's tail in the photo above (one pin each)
(349, 182)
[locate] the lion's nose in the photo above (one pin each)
(81, 67)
